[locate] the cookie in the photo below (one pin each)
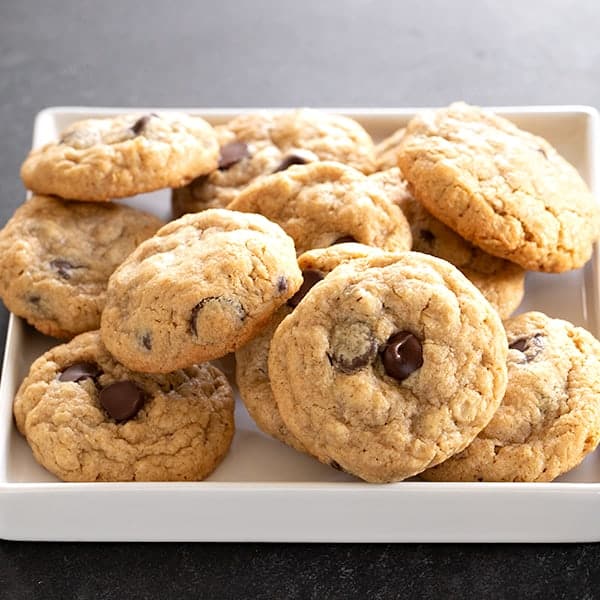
(386, 151)
(261, 143)
(499, 280)
(251, 374)
(89, 418)
(100, 159)
(505, 190)
(200, 288)
(389, 366)
(56, 258)
(549, 419)
(322, 203)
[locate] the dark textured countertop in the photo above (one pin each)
(278, 53)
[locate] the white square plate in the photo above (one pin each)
(265, 491)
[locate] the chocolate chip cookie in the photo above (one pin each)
(251, 374)
(100, 159)
(500, 281)
(322, 203)
(505, 190)
(200, 288)
(389, 366)
(89, 418)
(56, 258)
(261, 143)
(549, 419)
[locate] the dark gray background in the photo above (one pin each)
(284, 53)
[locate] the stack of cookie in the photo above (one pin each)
(291, 248)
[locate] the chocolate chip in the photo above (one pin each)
(402, 355)
(336, 465)
(353, 347)
(147, 341)
(282, 284)
(141, 123)
(530, 346)
(122, 400)
(346, 239)
(233, 306)
(232, 153)
(310, 278)
(80, 371)
(34, 299)
(289, 160)
(427, 236)
(63, 267)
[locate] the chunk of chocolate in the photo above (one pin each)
(147, 341)
(80, 371)
(310, 278)
(62, 267)
(289, 160)
(232, 154)
(402, 355)
(139, 126)
(122, 400)
(529, 346)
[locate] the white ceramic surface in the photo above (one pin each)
(265, 491)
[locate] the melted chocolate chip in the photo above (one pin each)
(141, 123)
(310, 278)
(80, 371)
(402, 355)
(282, 284)
(529, 346)
(346, 239)
(228, 303)
(427, 236)
(289, 160)
(147, 341)
(63, 267)
(232, 153)
(122, 400)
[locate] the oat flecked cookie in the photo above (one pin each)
(264, 142)
(56, 257)
(389, 366)
(252, 375)
(499, 280)
(100, 159)
(549, 419)
(88, 418)
(323, 203)
(201, 287)
(505, 190)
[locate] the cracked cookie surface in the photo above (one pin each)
(251, 360)
(500, 281)
(389, 366)
(322, 203)
(505, 190)
(181, 432)
(549, 419)
(200, 288)
(56, 257)
(261, 143)
(116, 157)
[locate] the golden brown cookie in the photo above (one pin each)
(89, 418)
(203, 286)
(549, 419)
(324, 203)
(389, 366)
(505, 190)
(264, 142)
(115, 157)
(56, 258)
